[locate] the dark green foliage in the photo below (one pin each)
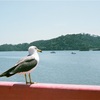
(80, 41)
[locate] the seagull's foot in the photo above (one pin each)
(30, 82)
(27, 82)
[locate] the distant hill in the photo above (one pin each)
(79, 41)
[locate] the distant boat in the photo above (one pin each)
(52, 52)
(73, 53)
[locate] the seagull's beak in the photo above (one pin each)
(39, 50)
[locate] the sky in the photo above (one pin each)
(25, 21)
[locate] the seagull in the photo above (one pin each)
(25, 65)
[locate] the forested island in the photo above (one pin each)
(81, 41)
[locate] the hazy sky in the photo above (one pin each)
(28, 21)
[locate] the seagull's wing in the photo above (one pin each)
(24, 65)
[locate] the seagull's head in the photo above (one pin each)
(33, 49)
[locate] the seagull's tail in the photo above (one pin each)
(8, 72)
(5, 74)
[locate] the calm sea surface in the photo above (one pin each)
(61, 67)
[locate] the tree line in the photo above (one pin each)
(81, 41)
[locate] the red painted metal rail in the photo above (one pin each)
(41, 91)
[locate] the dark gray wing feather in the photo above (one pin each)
(25, 66)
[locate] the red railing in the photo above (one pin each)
(41, 91)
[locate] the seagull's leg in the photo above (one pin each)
(26, 79)
(30, 79)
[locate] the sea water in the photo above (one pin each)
(62, 67)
